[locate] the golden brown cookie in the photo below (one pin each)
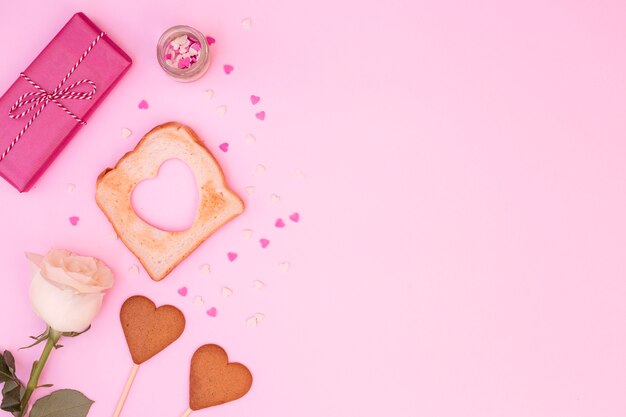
(149, 329)
(213, 380)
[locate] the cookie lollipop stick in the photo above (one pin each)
(213, 380)
(148, 330)
(129, 383)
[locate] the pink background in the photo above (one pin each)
(461, 244)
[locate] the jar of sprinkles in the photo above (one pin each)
(183, 53)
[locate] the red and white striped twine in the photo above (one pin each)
(40, 98)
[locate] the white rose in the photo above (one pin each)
(67, 289)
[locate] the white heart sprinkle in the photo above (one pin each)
(259, 169)
(252, 321)
(226, 292)
(70, 188)
(134, 270)
(208, 94)
(299, 174)
(275, 198)
(246, 23)
(126, 132)
(284, 266)
(259, 317)
(250, 190)
(258, 284)
(205, 269)
(198, 301)
(221, 110)
(250, 139)
(247, 233)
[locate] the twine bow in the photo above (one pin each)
(40, 98)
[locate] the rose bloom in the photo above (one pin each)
(67, 289)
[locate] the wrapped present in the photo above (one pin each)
(53, 98)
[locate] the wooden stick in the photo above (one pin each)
(129, 383)
(187, 412)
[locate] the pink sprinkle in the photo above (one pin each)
(74, 220)
(232, 256)
(260, 115)
(224, 147)
(195, 46)
(279, 223)
(143, 104)
(168, 56)
(184, 63)
(264, 243)
(210, 40)
(228, 68)
(212, 312)
(183, 291)
(295, 217)
(254, 99)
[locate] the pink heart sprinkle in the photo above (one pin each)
(195, 46)
(254, 99)
(212, 312)
(224, 147)
(228, 68)
(74, 220)
(143, 104)
(210, 40)
(260, 115)
(232, 256)
(279, 223)
(264, 243)
(184, 63)
(295, 217)
(183, 291)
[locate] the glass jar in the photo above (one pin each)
(194, 60)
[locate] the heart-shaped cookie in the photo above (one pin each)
(149, 329)
(213, 380)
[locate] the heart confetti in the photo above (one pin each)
(209, 94)
(224, 147)
(247, 233)
(232, 256)
(259, 169)
(295, 217)
(258, 285)
(70, 187)
(221, 110)
(250, 139)
(205, 269)
(264, 242)
(275, 198)
(210, 40)
(183, 291)
(254, 99)
(260, 115)
(126, 132)
(246, 23)
(226, 292)
(284, 266)
(228, 68)
(74, 220)
(143, 105)
(198, 301)
(279, 223)
(250, 190)
(212, 312)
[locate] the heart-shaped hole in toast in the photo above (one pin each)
(168, 201)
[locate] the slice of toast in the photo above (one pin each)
(159, 251)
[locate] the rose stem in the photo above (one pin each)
(38, 366)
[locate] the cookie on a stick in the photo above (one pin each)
(148, 330)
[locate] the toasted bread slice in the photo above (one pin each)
(159, 251)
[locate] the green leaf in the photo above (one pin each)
(5, 372)
(62, 403)
(9, 360)
(10, 397)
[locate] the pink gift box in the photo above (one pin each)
(60, 119)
